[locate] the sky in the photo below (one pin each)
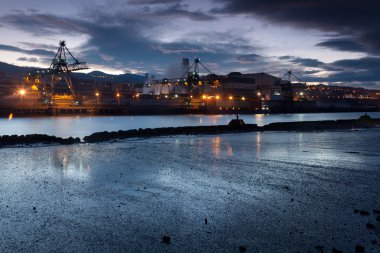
(331, 42)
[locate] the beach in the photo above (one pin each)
(258, 192)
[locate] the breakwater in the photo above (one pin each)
(235, 126)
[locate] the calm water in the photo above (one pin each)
(80, 126)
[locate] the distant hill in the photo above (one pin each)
(9, 71)
(12, 72)
(98, 75)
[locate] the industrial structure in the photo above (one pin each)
(57, 90)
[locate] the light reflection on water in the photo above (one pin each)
(70, 162)
(80, 126)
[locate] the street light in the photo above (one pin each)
(22, 92)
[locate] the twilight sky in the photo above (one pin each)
(332, 41)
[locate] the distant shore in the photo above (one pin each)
(235, 126)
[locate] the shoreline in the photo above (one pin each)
(235, 126)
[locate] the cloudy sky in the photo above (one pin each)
(334, 41)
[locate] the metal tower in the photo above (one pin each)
(192, 73)
(289, 74)
(59, 67)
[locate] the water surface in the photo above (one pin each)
(80, 126)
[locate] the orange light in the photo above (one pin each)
(230, 97)
(22, 92)
(118, 95)
(217, 97)
(243, 98)
(97, 94)
(204, 96)
(10, 117)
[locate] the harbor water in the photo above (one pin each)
(80, 126)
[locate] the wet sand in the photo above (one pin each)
(264, 192)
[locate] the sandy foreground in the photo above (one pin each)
(264, 192)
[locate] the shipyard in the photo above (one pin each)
(61, 90)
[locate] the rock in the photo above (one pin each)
(364, 213)
(205, 221)
(359, 249)
(334, 250)
(319, 248)
(242, 249)
(370, 226)
(166, 239)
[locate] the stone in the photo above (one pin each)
(359, 249)
(370, 226)
(242, 249)
(166, 239)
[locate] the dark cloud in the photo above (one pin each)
(30, 59)
(144, 2)
(342, 45)
(359, 65)
(40, 52)
(358, 71)
(357, 19)
(249, 58)
(41, 24)
(305, 62)
(180, 11)
(39, 45)
(177, 48)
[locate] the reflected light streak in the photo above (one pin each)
(258, 143)
(216, 146)
(230, 151)
(10, 117)
(259, 119)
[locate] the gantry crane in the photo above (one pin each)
(59, 67)
(192, 73)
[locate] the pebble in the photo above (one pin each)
(166, 239)
(370, 226)
(359, 249)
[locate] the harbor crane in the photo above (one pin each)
(192, 73)
(60, 68)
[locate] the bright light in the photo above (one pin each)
(118, 95)
(166, 96)
(97, 94)
(259, 94)
(176, 95)
(22, 92)
(230, 97)
(217, 97)
(10, 117)
(138, 94)
(243, 98)
(301, 93)
(204, 96)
